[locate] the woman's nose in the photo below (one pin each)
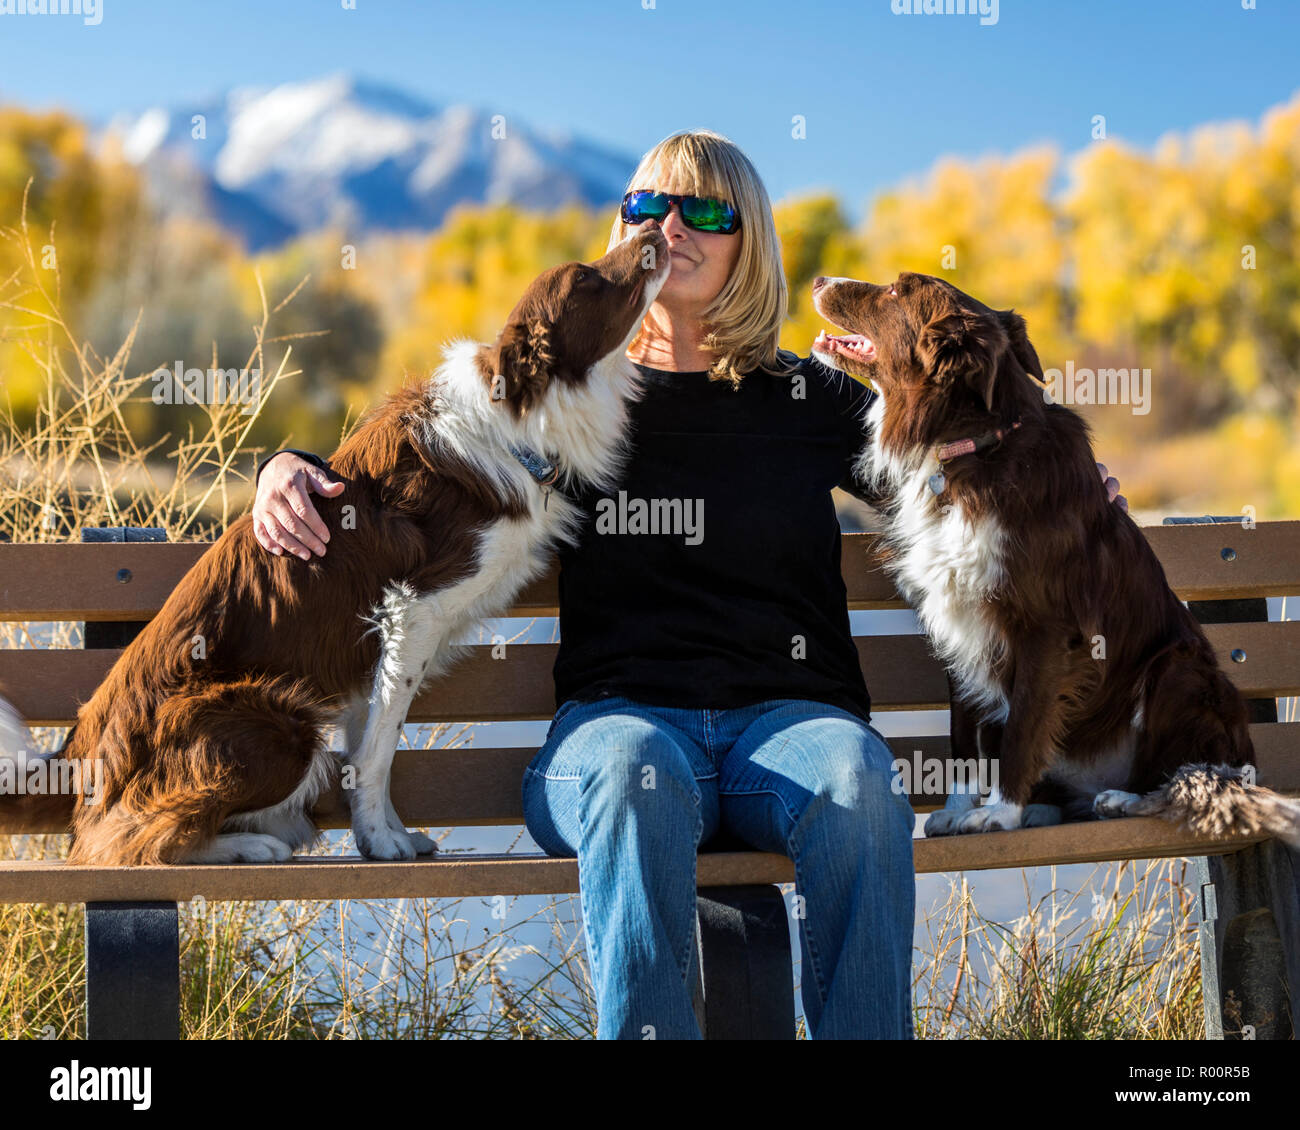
(673, 223)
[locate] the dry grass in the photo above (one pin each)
(78, 464)
(406, 969)
(1117, 960)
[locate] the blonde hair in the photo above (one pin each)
(742, 325)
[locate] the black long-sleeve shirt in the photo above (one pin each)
(729, 592)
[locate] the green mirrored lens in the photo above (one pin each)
(706, 213)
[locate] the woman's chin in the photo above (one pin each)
(687, 292)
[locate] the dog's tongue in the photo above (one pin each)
(857, 346)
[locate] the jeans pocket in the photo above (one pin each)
(538, 818)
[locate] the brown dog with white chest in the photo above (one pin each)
(209, 733)
(1073, 663)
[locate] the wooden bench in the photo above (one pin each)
(1250, 891)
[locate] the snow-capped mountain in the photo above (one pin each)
(269, 163)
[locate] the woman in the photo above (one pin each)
(707, 680)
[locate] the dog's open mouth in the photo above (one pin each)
(856, 347)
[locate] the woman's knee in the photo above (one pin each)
(858, 783)
(640, 765)
(621, 770)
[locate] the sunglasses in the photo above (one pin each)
(701, 213)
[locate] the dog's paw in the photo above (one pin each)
(241, 847)
(1040, 816)
(267, 849)
(990, 818)
(943, 823)
(1113, 803)
(379, 841)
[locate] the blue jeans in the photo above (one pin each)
(633, 790)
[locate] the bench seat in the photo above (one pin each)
(457, 875)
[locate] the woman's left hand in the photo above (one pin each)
(1112, 488)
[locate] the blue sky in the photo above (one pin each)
(883, 95)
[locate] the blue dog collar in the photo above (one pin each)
(542, 469)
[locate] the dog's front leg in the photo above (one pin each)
(379, 833)
(409, 635)
(1028, 740)
(963, 759)
(363, 801)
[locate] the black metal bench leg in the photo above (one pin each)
(1250, 901)
(1250, 951)
(132, 971)
(746, 964)
(1211, 991)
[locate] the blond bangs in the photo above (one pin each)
(743, 324)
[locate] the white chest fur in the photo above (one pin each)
(948, 566)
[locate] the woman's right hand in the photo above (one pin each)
(283, 516)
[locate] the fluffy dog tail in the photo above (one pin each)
(20, 805)
(1222, 800)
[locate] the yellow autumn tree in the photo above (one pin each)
(1193, 252)
(80, 210)
(476, 266)
(989, 227)
(815, 240)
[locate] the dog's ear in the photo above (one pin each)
(963, 346)
(1021, 349)
(525, 360)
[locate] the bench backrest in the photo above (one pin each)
(100, 583)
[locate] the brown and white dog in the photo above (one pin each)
(1072, 661)
(454, 499)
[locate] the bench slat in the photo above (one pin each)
(901, 673)
(80, 582)
(466, 787)
(467, 876)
